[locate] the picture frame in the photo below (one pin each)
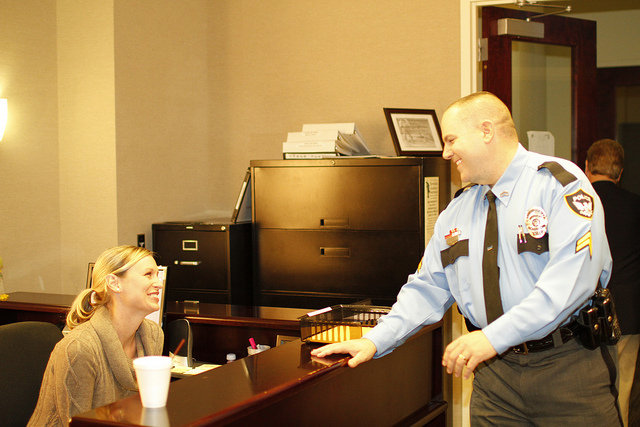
(282, 339)
(90, 275)
(242, 209)
(157, 316)
(415, 132)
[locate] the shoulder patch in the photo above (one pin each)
(580, 203)
(463, 189)
(558, 172)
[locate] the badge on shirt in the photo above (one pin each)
(536, 222)
(452, 237)
(580, 203)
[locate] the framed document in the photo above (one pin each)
(242, 209)
(281, 339)
(414, 132)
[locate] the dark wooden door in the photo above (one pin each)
(580, 36)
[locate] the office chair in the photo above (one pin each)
(25, 348)
(176, 331)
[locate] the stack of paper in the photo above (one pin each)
(317, 141)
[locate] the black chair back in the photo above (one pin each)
(25, 348)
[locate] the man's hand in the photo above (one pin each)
(467, 351)
(360, 350)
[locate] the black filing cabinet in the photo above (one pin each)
(341, 230)
(207, 261)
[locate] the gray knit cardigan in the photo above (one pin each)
(88, 368)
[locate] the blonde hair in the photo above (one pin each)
(118, 261)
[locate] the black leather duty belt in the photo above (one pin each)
(562, 335)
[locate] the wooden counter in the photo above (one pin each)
(23, 306)
(286, 386)
(219, 329)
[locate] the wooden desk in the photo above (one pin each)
(286, 386)
(23, 306)
(219, 329)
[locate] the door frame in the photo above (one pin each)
(608, 79)
(580, 36)
(457, 390)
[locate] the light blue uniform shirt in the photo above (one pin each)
(540, 289)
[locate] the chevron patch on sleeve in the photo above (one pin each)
(583, 242)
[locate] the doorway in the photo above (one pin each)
(546, 80)
(619, 117)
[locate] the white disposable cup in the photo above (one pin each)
(261, 347)
(154, 375)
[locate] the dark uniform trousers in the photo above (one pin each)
(564, 386)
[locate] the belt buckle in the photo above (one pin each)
(521, 349)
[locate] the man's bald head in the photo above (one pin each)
(480, 106)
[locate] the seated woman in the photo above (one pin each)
(92, 365)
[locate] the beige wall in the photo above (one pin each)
(165, 149)
(86, 137)
(618, 32)
(29, 183)
(125, 113)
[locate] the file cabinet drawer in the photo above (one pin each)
(347, 198)
(356, 265)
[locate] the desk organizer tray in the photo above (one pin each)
(340, 322)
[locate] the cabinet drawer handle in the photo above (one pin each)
(189, 245)
(187, 262)
(334, 222)
(335, 252)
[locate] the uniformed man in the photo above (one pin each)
(528, 366)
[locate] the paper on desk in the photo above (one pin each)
(202, 368)
(185, 370)
(542, 141)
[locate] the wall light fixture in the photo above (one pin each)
(3, 116)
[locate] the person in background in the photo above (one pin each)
(605, 161)
(92, 365)
(528, 366)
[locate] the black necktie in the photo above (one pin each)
(490, 270)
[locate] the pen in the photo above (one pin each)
(253, 343)
(175, 352)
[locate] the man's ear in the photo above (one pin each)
(488, 130)
(619, 176)
(113, 283)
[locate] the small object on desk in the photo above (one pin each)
(180, 344)
(153, 374)
(182, 371)
(259, 348)
(231, 357)
(191, 306)
(253, 343)
(340, 323)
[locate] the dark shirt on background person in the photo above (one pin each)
(622, 218)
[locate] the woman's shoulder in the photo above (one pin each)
(82, 341)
